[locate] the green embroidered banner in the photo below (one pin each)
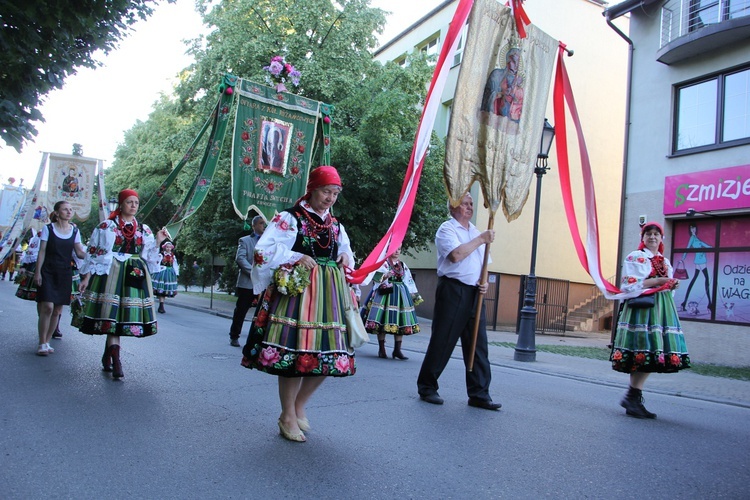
(278, 137)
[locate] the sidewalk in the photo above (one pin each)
(684, 384)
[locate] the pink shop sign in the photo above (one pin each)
(722, 189)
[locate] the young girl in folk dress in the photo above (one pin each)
(165, 281)
(116, 275)
(53, 275)
(389, 308)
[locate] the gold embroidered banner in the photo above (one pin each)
(498, 109)
(71, 179)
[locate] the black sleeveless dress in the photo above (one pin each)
(57, 273)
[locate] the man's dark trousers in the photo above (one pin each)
(244, 301)
(453, 318)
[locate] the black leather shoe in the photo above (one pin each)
(484, 404)
(434, 399)
(234, 342)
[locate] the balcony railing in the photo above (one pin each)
(682, 17)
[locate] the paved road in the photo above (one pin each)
(188, 422)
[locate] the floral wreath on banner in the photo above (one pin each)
(280, 73)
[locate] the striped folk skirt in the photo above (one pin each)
(118, 304)
(165, 282)
(25, 279)
(650, 340)
(391, 313)
(303, 335)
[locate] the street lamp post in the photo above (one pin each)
(526, 344)
(112, 204)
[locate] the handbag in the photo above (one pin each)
(386, 288)
(641, 302)
(680, 272)
(358, 336)
(76, 310)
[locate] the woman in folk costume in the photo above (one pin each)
(25, 278)
(299, 331)
(651, 339)
(389, 308)
(8, 265)
(165, 281)
(116, 276)
(53, 275)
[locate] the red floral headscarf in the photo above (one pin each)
(319, 177)
(124, 195)
(648, 226)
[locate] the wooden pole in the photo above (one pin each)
(480, 298)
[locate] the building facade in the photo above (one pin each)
(598, 74)
(688, 160)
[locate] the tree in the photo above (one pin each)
(375, 120)
(42, 43)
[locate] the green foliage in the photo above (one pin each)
(374, 124)
(45, 42)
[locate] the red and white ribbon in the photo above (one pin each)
(397, 230)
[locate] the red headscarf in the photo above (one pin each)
(124, 195)
(641, 246)
(321, 176)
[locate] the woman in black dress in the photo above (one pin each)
(53, 275)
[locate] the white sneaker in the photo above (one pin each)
(49, 348)
(42, 350)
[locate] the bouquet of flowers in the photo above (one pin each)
(291, 281)
(281, 72)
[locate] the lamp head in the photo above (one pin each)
(690, 212)
(548, 134)
(112, 204)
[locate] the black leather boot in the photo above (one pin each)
(397, 354)
(381, 349)
(633, 404)
(106, 360)
(114, 351)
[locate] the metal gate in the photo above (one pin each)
(551, 304)
(490, 299)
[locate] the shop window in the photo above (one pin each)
(713, 259)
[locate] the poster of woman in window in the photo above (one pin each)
(274, 146)
(715, 255)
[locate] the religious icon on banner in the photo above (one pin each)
(504, 91)
(71, 178)
(274, 145)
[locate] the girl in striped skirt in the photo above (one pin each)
(119, 299)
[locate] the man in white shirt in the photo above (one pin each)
(460, 248)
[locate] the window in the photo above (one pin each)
(460, 47)
(714, 254)
(703, 12)
(430, 47)
(713, 112)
